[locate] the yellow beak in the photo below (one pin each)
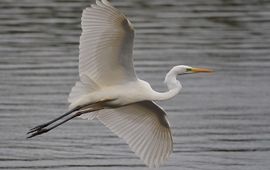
(201, 70)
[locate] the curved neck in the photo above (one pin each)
(173, 85)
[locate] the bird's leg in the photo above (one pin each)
(45, 130)
(39, 127)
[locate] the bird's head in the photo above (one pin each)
(170, 78)
(183, 69)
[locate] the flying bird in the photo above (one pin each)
(110, 91)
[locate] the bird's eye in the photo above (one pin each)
(189, 69)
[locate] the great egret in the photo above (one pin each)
(110, 91)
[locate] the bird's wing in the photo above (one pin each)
(106, 45)
(144, 127)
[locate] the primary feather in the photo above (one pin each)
(106, 45)
(144, 126)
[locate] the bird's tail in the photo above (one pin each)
(85, 86)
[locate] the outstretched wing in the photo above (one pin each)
(144, 127)
(106, 45)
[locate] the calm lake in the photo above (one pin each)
(220, 121)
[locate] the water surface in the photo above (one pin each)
(219, 121)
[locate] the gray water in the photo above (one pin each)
(220, 121)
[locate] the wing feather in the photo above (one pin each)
(106, 45)
(144, 127)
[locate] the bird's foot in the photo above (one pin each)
(37, 132)
(37, 128)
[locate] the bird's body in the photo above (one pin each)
(118, 95)
(110, 91)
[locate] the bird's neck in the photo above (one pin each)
(174, 87)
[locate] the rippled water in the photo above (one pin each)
(219, 121)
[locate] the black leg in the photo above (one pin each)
(41, 130)
(45, 130)
(39, 127)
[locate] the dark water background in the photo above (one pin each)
(219, 121)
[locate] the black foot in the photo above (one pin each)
(37, 128)
(37, 132)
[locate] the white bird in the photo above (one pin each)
(110, 91)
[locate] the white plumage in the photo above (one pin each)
(106, 45)
(110, 91)
(144, 127)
